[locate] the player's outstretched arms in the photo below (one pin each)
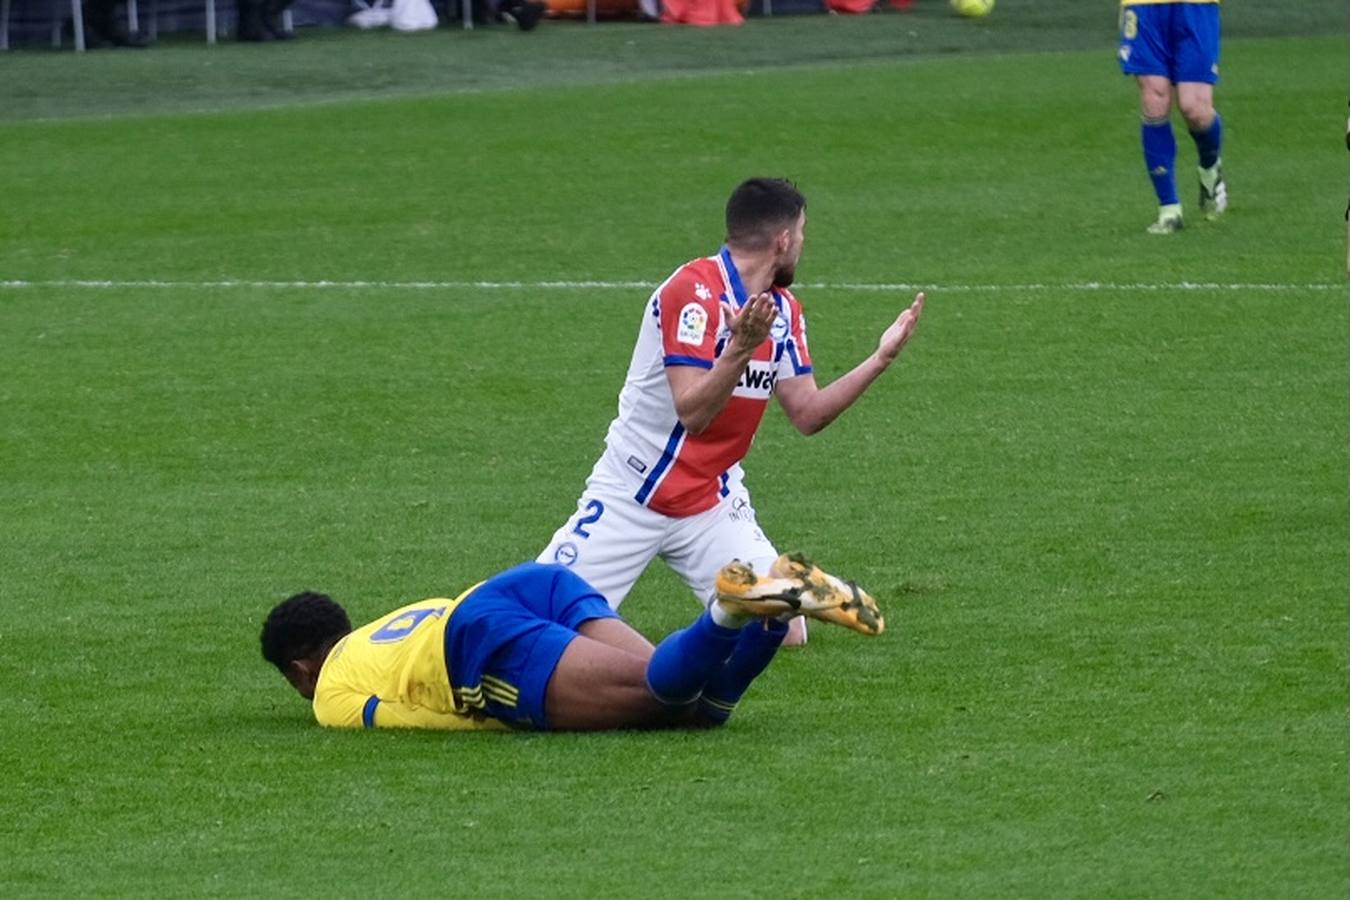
(810, 408)
(701, 394)
(895, 337)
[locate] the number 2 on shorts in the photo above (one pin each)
(594, 509)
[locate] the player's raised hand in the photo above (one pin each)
(898, 334)
(751, 325)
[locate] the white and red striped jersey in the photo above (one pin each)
(684, 474)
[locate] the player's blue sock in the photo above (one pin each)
(1209, 142)
(685, 660)
(1160, 155)
(754, 651)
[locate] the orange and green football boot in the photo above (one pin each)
(797, 587)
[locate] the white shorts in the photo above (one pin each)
(611, 538)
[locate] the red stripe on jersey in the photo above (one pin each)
(690, 320)
(693, 483)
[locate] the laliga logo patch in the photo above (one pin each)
(779, 331)
(693, 324)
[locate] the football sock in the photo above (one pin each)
(1209, 142)
(725, 617)
(1160, 155)
(754, 651)
(686, 659)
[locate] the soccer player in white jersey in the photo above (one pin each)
(718, 338)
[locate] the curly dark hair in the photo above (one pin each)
(300, 625)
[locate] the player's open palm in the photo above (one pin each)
(895, 337)
(751, 325)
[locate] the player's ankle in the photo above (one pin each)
(724, 617)
(1210, 177)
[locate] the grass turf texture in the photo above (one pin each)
(1109, 527)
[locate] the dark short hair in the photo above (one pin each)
(300, 625)
(759, 208)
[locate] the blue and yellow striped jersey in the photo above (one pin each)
(392, 674)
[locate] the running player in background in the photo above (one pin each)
(1172, 48)
(537, 648)
(720, 337)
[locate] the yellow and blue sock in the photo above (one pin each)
(754, 651)
(1160, 155)
(1209, 142)
(684, 662)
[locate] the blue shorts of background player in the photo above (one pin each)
(1178, 41)
(1172, 50)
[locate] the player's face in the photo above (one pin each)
(303, 675)
(785, 268)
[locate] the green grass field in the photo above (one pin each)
(1103, 497)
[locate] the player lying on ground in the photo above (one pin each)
(537, 647)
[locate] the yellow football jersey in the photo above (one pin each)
(392, 674)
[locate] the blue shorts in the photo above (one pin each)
(1179, 41)
(504, 640)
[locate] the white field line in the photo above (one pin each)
(1068, 287)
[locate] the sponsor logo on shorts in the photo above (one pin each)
(637, 465)
(566, 554)
(741, 511)
(745, 516)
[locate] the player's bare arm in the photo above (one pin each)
(700, 394)
(810, 408)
